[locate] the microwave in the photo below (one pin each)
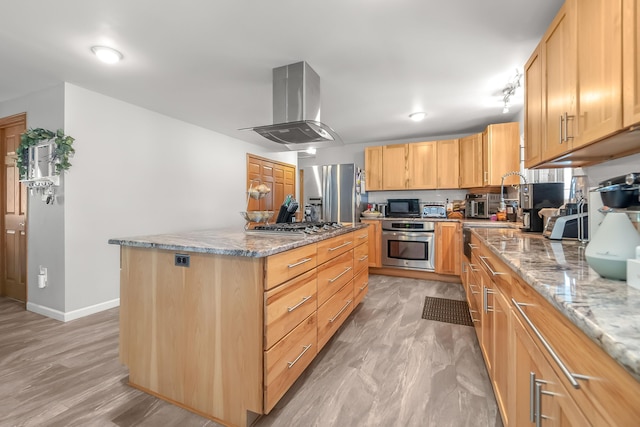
(403, 208)
(481, 205)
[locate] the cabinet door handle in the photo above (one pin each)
(304, 299)
(341, 246)
(472, 245)
(485, 299)
(340, 312)
(561, 126)
(493, 273)
(471, 286)
(471, 314)
(340, 275)
(473, 268)
(304, 350)
(364, 286)
(364, 236)
(299, 262)
(363, 258)
(532, 391)
(570, 376)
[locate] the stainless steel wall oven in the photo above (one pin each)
(408, 244)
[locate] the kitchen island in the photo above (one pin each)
(222, 322)
(552, 331)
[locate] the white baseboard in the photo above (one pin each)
(75, 314)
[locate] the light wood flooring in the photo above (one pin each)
(385, 367)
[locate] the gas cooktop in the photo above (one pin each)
(295, 228)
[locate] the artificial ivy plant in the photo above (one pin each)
(32, 137)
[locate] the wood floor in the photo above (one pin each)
(385, 367)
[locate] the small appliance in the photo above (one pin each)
(403, 208)
(574, 226)
(534, 197)
(481, 205)
(408, 244)
(433, 210)
(611, 247)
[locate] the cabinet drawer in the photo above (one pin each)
(361, 257)
(335, 246)
(495, 269)
(360, 236)
(289, 304)
(332, 275)
(360, 286)
(333, 313)
(286, 265)
(286, 360)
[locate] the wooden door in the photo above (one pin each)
(631, 61)
(448, 164)
(447, 256)
(599, 39)
(559, 80)
(14, 254)
(279, 177)
(373, 168)
(471, 161)
(422, 165)
(533, 108)
(501, 352)
(394, 167)
(533, 375)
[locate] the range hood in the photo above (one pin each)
(296, 110)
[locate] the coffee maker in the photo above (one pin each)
(534, 197)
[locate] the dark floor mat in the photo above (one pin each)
(447, 310)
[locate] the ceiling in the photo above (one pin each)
(210, 63)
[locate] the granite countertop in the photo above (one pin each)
(230, 242)
(607, 311)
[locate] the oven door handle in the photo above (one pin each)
(474, 208)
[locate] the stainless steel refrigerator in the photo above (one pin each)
(335, 190)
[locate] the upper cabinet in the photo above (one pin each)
(448, 164)
(394, 167)
(500, 153)
(579, 88)
(630, 58)
(471, 171)
(373, 168)
(422, 165)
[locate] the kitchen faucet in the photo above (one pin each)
(502, 199)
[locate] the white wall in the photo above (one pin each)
(45, 223)
(138, 172)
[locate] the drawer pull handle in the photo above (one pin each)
(340, 312)
(364, 236)
(340, 275)
(471, 314)
(471, 286)
(363, 258)
(304, 350)
(304, 299)
(493, 273)
(485, 299)
(11, 231)
(473, 268)
(472, 245)
(364, 286)
(341, 246)
(299, 262)
(570, 376)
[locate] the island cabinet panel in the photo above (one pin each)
(333, 274)
(374, 237)
(335, 246)
(289, 304)
(175, 320)
(286, 265)
(332, 314)
(360, 286)
(286, 360)
(360, 257)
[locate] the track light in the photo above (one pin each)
(510, 90)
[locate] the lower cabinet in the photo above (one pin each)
(543, 369)
(375, 242)
(448, 237)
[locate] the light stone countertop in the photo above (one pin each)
(607, 311)
(230, 242)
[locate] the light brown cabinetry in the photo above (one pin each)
(395, 174)
(533, 110)
(375, 242)
(423, 165)
(448, 237)
(500, 153)
(471, 171)
(373, 168)
(588, 85)
(542, 367)
(448, 164)
(631, 62)
(189, 334)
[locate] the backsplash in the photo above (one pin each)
(422, 195)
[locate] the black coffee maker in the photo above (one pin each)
(534, 197)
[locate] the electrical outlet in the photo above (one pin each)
(182, 260)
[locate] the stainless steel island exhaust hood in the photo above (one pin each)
(296, 110)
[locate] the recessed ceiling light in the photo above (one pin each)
(417, 116)
(106, 54)
(311, 150)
